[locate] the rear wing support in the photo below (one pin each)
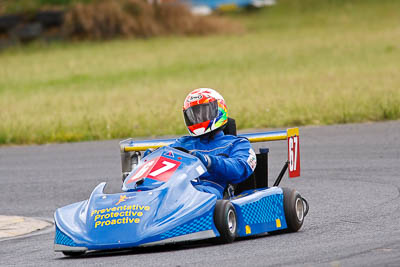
(279, 178)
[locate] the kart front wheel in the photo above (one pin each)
(225, 221)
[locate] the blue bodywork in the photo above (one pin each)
(215, 4)
(159, 205)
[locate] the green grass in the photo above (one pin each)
(321, 62)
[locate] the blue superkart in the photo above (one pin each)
(160, 205)
(223, 5)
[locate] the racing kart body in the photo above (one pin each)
(160, 205)
(205, 7)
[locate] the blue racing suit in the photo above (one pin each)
(232, 160)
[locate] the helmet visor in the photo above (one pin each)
(201, 113)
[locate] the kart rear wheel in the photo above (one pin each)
(295, 209)
(225, 221)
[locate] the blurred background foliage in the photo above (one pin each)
(300, 62)
(20, 6)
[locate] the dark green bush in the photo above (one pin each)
(21, 6)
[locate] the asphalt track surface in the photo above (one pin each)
(350, 177)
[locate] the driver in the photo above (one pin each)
(229, 159)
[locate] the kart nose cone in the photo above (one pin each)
(109, 220)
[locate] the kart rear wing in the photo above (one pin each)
(130, 149)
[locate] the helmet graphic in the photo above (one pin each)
(204, 111)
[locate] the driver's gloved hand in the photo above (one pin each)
(147, 152)
(205, 159)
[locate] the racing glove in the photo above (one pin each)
(205, 159)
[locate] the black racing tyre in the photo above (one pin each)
(7, 22)
(73, 253)
(50, 18)
(295, 209)
(225, 221)
(27, 32)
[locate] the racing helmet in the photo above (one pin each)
(204, 111)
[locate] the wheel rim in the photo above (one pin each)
(232, 221)
(299, 209)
